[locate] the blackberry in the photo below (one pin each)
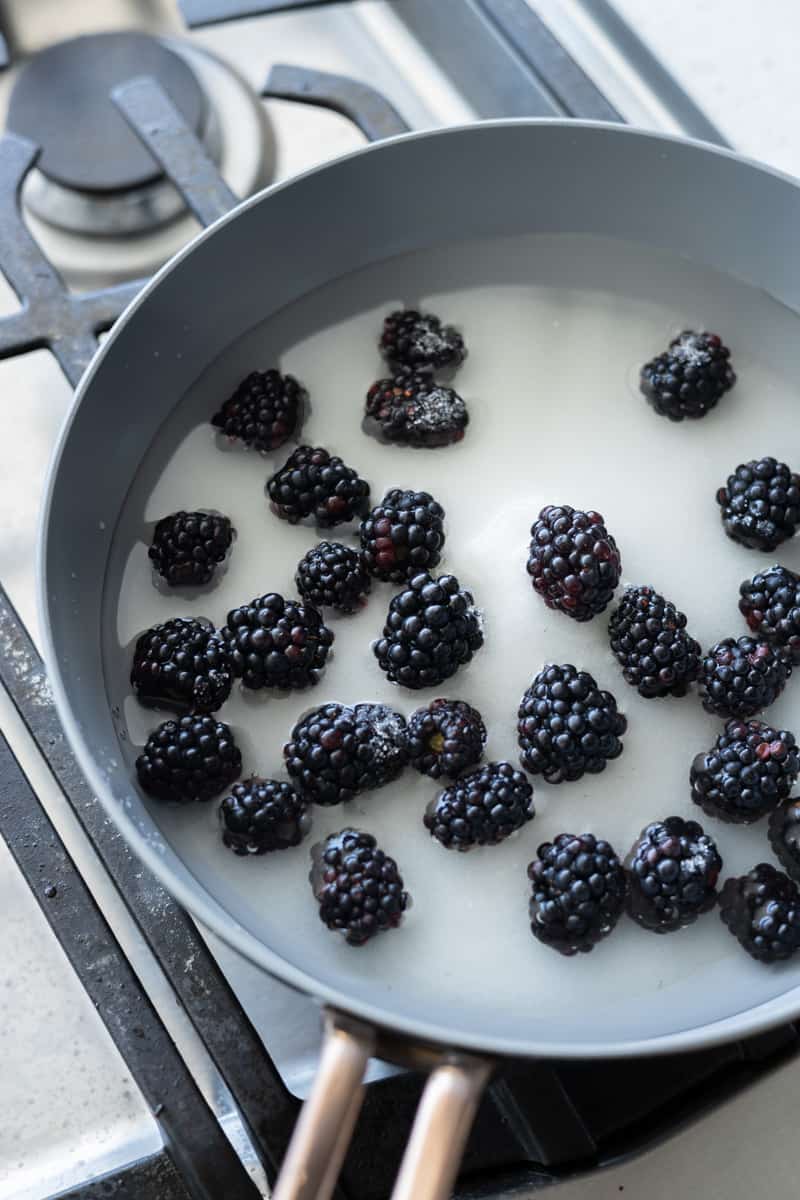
(770, 603)
(193, 758)
(740, 676)
(445, 738)
(579, 891)
(403, 535)
(673, 869)
(188, 545)
(784, 836)
(314, 484)
(261, 815)
(748, 771)
(336, 751)
(264, 411)
(183, 664)
(413, 409)
(432, 629)
(689, 378)
(649, 639)
(481, 808)
(567, 726)
(762, 911)
(359, 888)
(334, 576)
(760, 504)
(573, 562)
(420, 341)
(277, 643)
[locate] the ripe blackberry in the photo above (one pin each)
(188, 545)
(277, 643)
(673, 869)
(314, 484)
(263, 411)
(403, 535)
(784, 836)
(762, 911)
(445, 738)
(740, 676)
(193, 758)
(481, 808)
(336, 751)
(573, 562)
(770, 603)
(359, 888)
(748, 771)
(689, 378)
(567, 726)
(649, 639)
(420, 341)
(432, 629)
(579, 891)
(413, 409)
(760, 504)
(333, 575)
(261, 815)
(183, 664)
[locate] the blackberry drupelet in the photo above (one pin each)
(194, 758)
(573, 562)
(277, 643)
(689, 378)
(760, 504)
(740, 676)
(432, 629)
(334, 576)
(183, 664)
(481, 808)
(770, 603)
(403, 535)
(445, 738)
(649, 639)
(312, 484)
(415, 410)
(336, 751)
(261, 815)
(762, 911)
(579, 891)
(419, 340)
(784, 836)
(358, 887)
(748, 771)
(264, 411)
(567, 726)
(673, 869)
(188, 545)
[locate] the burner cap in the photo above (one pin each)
(61, 101)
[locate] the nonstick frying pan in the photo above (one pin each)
(566, 224)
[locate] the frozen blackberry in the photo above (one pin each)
(421, 341)
(567, 726)
(403, 535)
(194, 758)
(573, 562)
(740, 676)
(673, 869)
(689, 378)
(770, 603)
(432, 629)
(649, 639)
(748, 771)
(336, 751)
(188, 545)
(760, 504)
(359, 888)
(264, 411)
(784, 836)
(413, 409)
(445, 738)
(314, 485)
(334, 576)
(261, 815)
(762, 911)
(481, 808)
(277, 643)
(579, 891)
(183, 664)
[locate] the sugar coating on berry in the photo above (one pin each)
(336, 751)
(182, 664)
(741, 676)
(412, 409)
(481, 808)
(573, 562)
(262, 815)
(770, 603)
(277, 643)
(747, 773)
(419, 340)
(760, 503)
(313, 485)
(263, 411)
(650, 641)
(689, 378)
(432, 628)
(578, 892)
(188, 546)
(403, 535)
(673, 868)
(762, 911)
(358, 887)
(193, 758)
(567, 726)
